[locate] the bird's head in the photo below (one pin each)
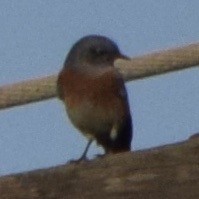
(92, 52)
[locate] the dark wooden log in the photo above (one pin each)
(170, 171)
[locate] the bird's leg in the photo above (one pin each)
(83, 156)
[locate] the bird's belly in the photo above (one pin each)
(92, 119)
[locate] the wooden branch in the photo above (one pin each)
(168, 172)
(138, 67)
(28, 91)
(159, 62)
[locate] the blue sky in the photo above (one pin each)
(35, 37)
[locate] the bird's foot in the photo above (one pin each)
(78, 161)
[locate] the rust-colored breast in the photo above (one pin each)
(94, 103)
(106, 90)
(98, 106)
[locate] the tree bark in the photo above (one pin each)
(170, 171)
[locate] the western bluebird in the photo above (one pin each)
(94, 94)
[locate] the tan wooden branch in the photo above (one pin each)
(138, 67)
(28, 91)
(167, 172)
(159, 62)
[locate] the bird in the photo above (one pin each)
(94, 94)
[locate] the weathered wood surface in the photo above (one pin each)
(170, 171)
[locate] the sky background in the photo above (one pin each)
(35, 37)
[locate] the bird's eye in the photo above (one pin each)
(97, 51)
(100, 51)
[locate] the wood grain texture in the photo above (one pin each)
(169, 172)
